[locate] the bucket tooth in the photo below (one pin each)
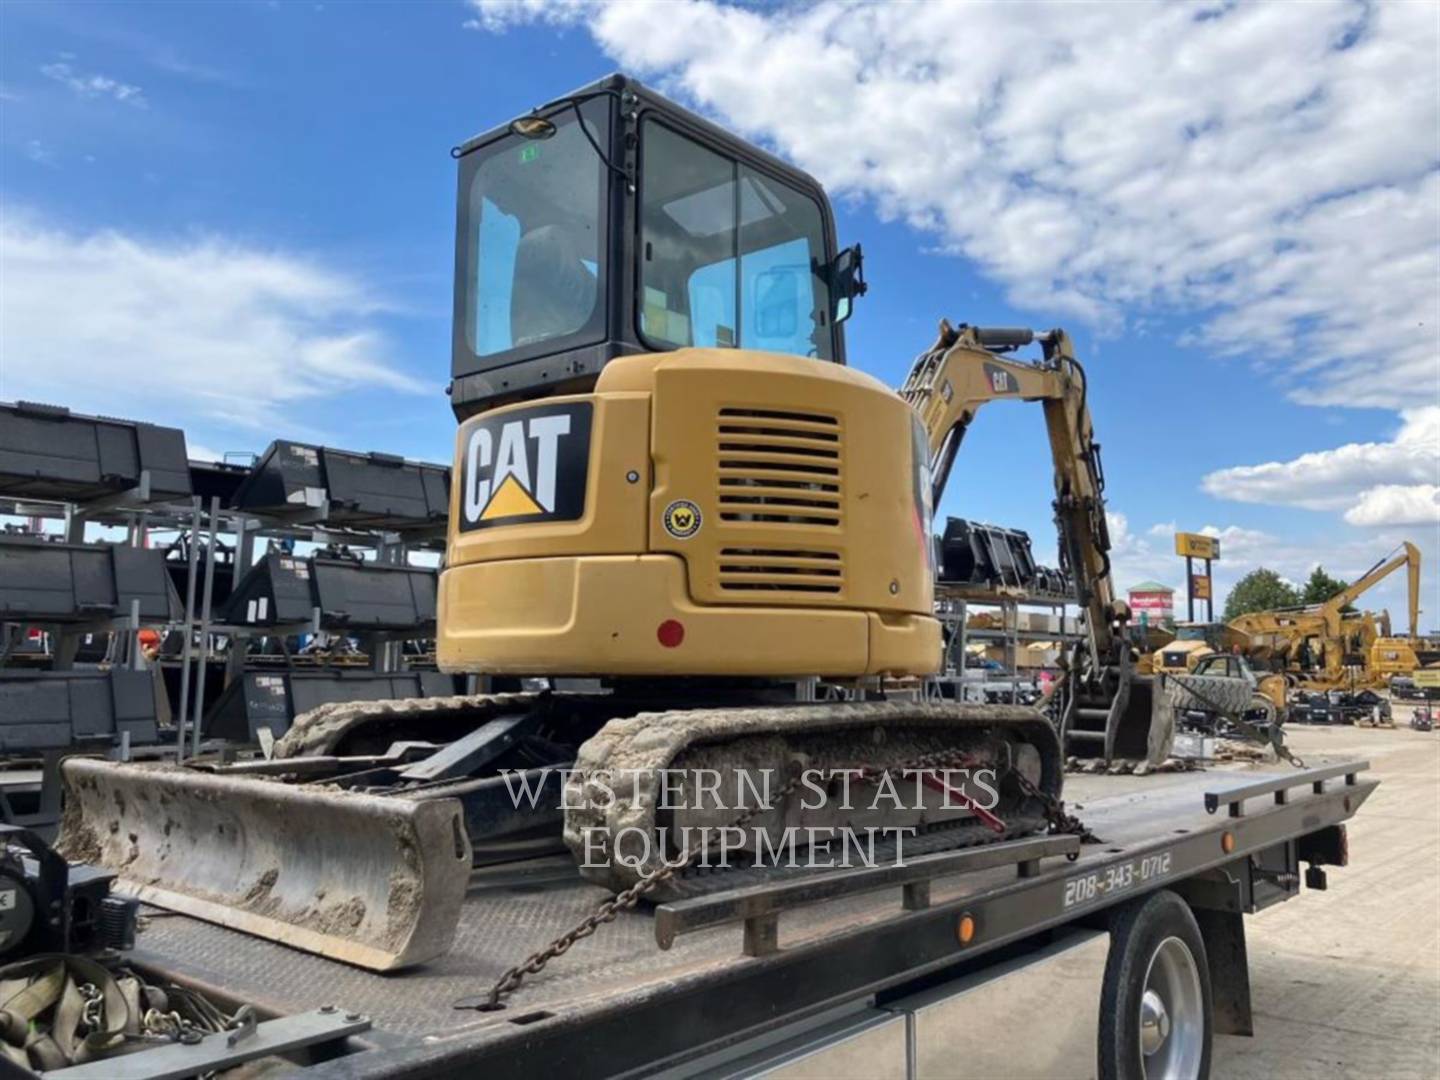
(368, 880)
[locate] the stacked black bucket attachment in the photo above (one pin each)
(363, 491)
(996, 558)
(289, 594)
(52, 583)
(47, 452)
(69, 589)
(79, 710)
(270, 699)
(348, 594)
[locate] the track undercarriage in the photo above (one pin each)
(355, 840)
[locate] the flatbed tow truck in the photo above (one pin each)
(941, 966)
(731, 531)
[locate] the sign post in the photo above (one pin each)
(1207, 548)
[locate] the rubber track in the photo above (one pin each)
(653, 740)
(321, 731)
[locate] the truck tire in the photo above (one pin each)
(1155, 1018)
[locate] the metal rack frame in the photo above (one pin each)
(132, 509)
(952, 608)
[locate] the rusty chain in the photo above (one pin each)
(1059, 819)
(626, 899)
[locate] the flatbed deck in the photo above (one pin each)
(1155, 825)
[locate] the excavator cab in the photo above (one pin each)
(613, 222)
(656, 417)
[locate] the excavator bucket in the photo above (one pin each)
(372, 881)
(1144, 731)
(1120, 717)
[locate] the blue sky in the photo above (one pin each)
(238, 218)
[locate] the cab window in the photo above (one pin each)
(729, 256)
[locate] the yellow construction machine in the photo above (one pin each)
(1192, 642)
(1325, 647)
(674, 501)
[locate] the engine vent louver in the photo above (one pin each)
(781, 570)
(784, 470)
(780, 468)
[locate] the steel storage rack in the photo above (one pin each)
(67, 603)
(73, 676)
(992, 568)
(343, 500)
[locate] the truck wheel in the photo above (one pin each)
(1155, 1017)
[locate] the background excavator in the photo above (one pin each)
(1322, 646)
(667, 484)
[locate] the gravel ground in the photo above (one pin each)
(1347, 983)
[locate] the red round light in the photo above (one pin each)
(670, 633)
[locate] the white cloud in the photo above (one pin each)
(1121, 539)
(1343, 478)
(94, 85)
(115, 323)
(1260, 167)
(1397, 504)
(39, 153)
(1238, 542)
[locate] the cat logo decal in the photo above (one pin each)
(525, 465)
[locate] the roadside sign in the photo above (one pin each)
(1197, 546)
(1200, 586)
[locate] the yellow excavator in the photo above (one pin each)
(1322, 645)
(674, 501)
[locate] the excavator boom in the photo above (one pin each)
(1108, 710)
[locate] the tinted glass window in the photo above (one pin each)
(534, 235)
(729, 256)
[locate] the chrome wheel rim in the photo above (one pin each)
(1172, 1014)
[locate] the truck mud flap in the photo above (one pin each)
(372, 881)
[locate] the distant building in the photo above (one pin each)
(1154, 602)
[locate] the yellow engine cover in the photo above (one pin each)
(774, 507)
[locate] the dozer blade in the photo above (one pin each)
(368, 880)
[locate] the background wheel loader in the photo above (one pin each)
(668, 480)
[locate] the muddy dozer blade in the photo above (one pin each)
(371, 881)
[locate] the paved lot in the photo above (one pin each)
(1347, 982)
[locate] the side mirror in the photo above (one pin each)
(847, 281)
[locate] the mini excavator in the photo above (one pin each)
(668, 484)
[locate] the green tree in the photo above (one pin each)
(1260, 590)
(1321, 587)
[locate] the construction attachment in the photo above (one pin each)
(369, 880)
